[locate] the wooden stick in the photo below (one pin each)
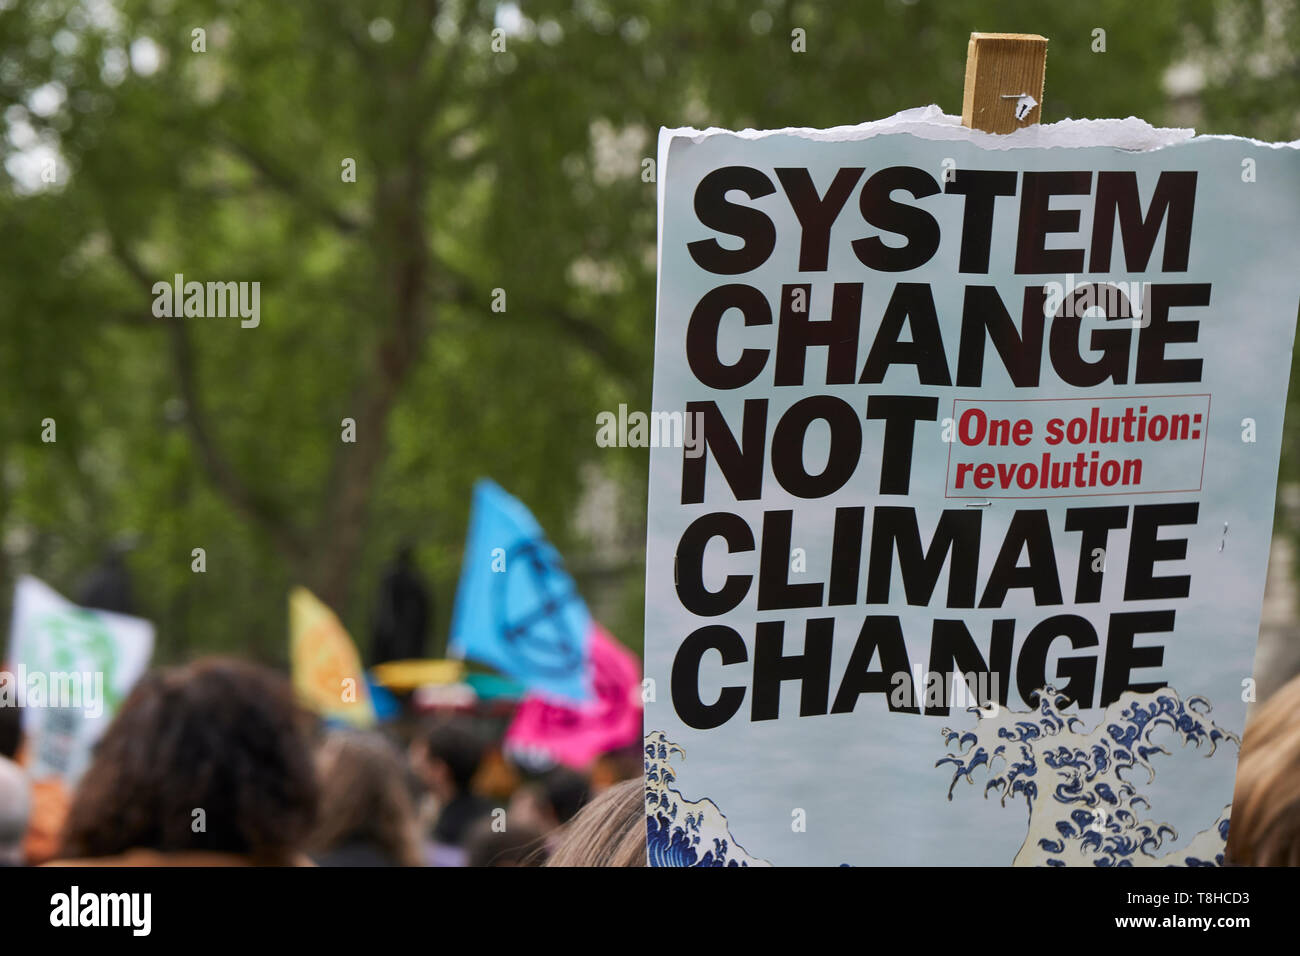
(1004, 72)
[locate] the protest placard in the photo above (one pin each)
(72, 668)
(970, 568)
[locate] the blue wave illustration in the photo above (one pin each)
(1083, 808)
(681, 832)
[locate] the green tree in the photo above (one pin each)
(498, 151)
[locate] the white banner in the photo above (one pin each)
(71, 669)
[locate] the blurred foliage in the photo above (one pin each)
(475, 171)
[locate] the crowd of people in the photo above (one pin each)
(214, 763)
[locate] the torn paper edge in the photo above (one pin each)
(930, 122)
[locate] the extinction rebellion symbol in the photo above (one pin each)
(531, 600)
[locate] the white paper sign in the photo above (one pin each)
(1003, 407)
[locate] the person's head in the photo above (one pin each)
(625, 763)
(364, 797)
(608, 831)
(213, 756)
(517, 845)
(15, 808)
(448, 757)
(1265, 825)
(551, 801)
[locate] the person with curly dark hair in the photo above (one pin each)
(209, 764)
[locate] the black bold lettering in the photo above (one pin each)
(714, 210)
(812, 669)
(981, 187)
(816, 214)
(775, 592)
(1038, 220)
(911, 303)
(983, 313)
(798, 332)
(900, 413)
(957, 532)
(741, 463)
(1122, 656)
(1081, 672)
(689, 568)
(702, 336)
(788, 446)
(1028, 531)
(1145, 549)
(686, 677)
(884, 634)
(880, 210)
(1173, 202)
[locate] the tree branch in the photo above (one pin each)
(291, 186)
(584, 332)
(259, 508)
(400, 228)
(264, 512)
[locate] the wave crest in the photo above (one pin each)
(1076, 782)
(681, 832)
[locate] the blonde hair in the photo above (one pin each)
(1265, 825)
(608, 831)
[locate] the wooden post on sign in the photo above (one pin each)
(1004, 81)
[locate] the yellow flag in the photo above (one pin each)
(327, 673)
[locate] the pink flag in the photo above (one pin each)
(577, 735)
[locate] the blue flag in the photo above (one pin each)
(517, 608)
